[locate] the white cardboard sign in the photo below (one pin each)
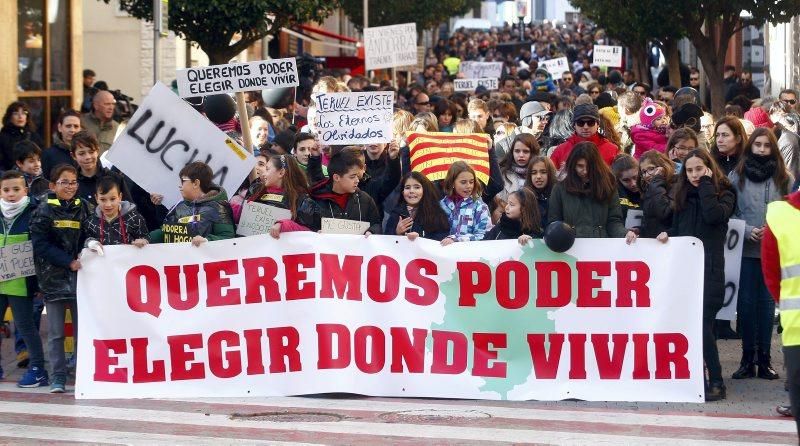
(556, 67)
(16, 260)
(258, 218)
(342, 226)
(166, 134)
(354, 118)
(734, 244)
(230, 78)
(607, 56)
(472, 84)
(480, 70)
(390, 46)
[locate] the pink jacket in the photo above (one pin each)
(647, 139)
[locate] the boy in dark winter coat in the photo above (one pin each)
(27, 156)
(115, 222)
(57, 240)
(339, 196)
(17, 208)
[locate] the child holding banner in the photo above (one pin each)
(704, 201)
(520, 220)
(284, 186)
(468, 214)
(541, 178)
(57, 240)
(203, 215)
(418, 213)
(17, 293)
(115, 222)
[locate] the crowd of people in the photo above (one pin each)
(588, 149)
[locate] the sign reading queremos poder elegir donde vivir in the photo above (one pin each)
(234, 77)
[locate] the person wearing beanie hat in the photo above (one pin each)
(651, 132)
(543, 81)
(586, 123)
(611, 114)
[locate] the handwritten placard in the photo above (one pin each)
(734, 245)
(472, 84)
(481, 70)
(257, 218)
(342, 226)
(607, 56)
(230, 78)
(390, 46)
(354, 118)
(556, 67)
(16, 260)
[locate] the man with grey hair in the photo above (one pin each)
(100, 120)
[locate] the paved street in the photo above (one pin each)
(746, 417)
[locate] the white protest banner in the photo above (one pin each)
(16, 260)
(556, 67)
(166, 134)
(342, 226)
(472, 84)
(607, 56)
(480, 70)
(734, 244)
(230, 78)
(354, 118)
(258, 218)
(312, 313)
(390, 46)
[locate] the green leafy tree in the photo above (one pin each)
(426, 14)
(710, 24)
(216, 24)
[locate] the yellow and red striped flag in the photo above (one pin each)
(432, 153)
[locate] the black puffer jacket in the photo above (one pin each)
(123, 230)
(657, 204)
(508, 229)
(706, 217)
(57, 241)
(359, 207)
(401, 211)
(10, 135)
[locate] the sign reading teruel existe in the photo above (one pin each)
(233, 77)
(312, 313)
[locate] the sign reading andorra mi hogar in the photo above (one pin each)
(314, 313)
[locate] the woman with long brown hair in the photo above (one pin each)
(759, 178)
(704, 201)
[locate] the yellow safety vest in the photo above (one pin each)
(784, 220)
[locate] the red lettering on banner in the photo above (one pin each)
(224, 364)
(259, 280)
(280, 353)
(587, 283)
(141, 363)
(216, 295)
(369, 359)
(375, 269)
(428, 286)
(296, 285)
(641, 364)
(104, 361)
(627, 284)
(255, 354)
(676, 355)
(545, 298)
(175, 298)
(404, 350)
(522, 286)
(441, 347)
(577, 355)
(340, 279)
(609, 365)
(325, 346)
(181, 360)
(469, 284)
(151, 304)
(483, 343)
(545, 365)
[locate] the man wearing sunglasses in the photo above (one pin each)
(422, 103)
(789, 97)
(568, 83)
(586, 122)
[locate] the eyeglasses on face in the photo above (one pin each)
(585, 123)
(594, 92)
(694, 78)
(65, 183)
(423, 103)
(790, 101)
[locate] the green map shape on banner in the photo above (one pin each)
(489, 316)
